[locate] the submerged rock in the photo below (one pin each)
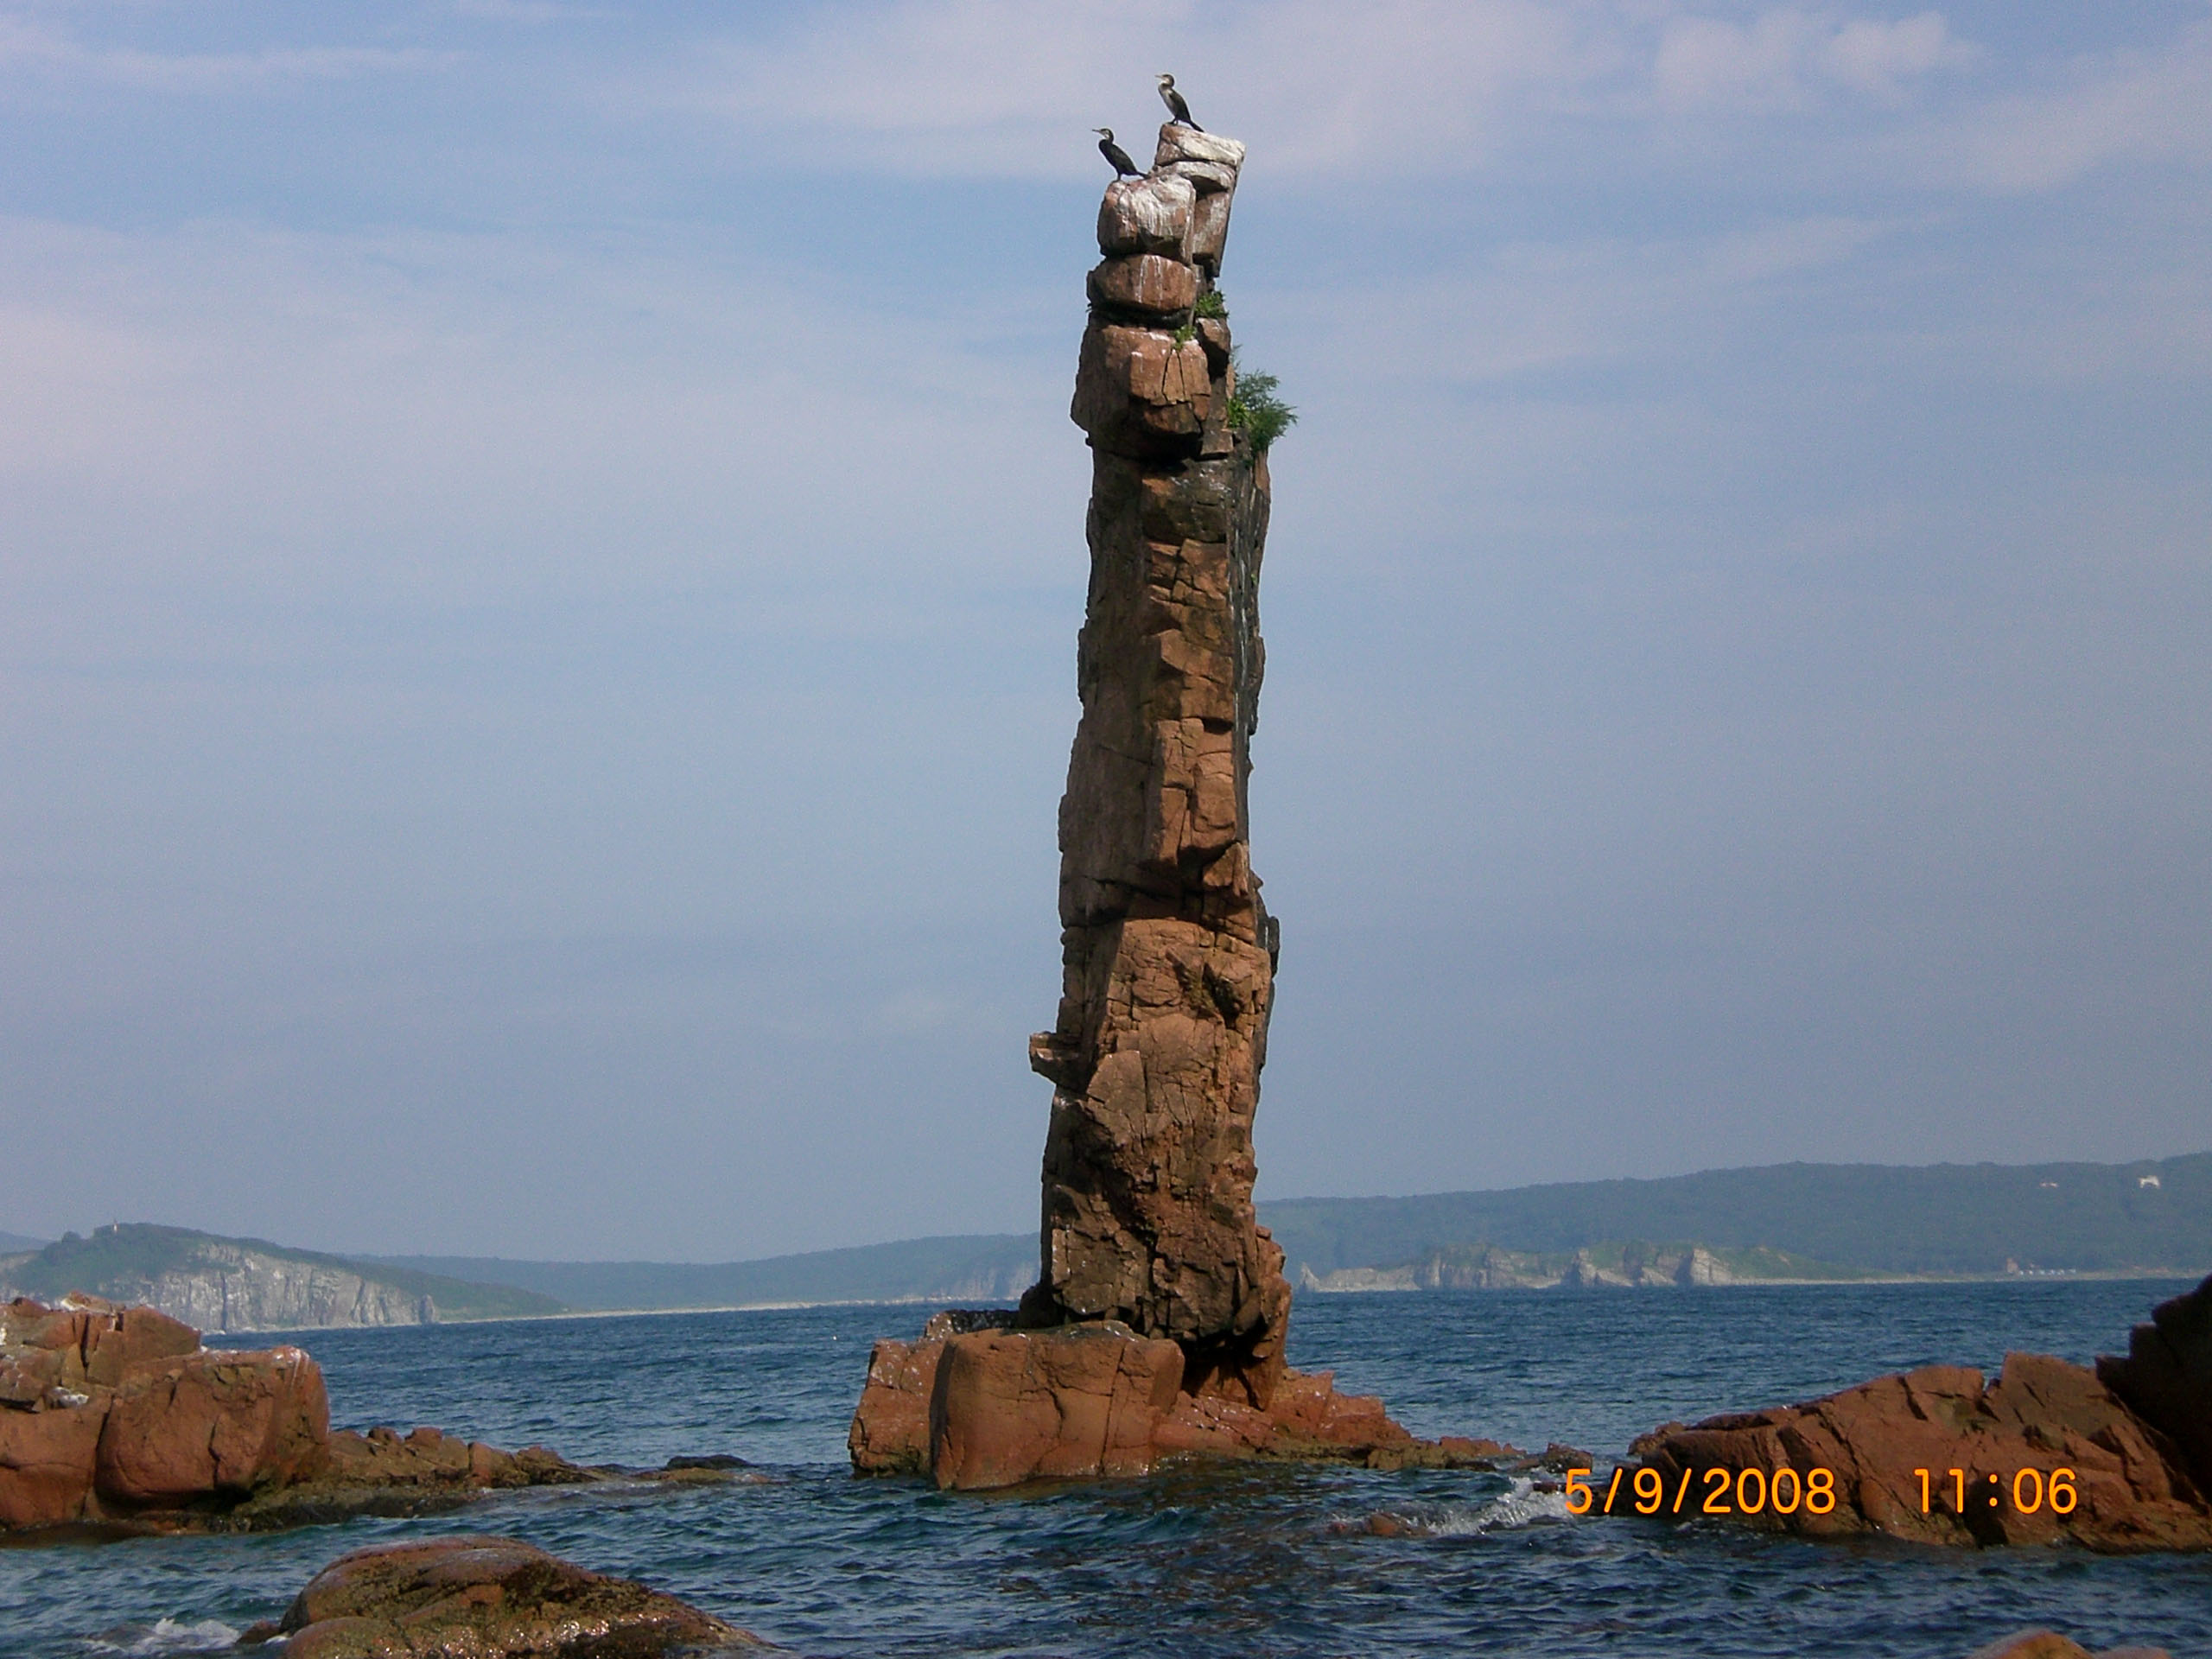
(2047, 1454)
(484, 1597)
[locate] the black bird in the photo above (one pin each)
(1123, 167)
(1176, 106)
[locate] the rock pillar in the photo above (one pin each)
(1168, 952)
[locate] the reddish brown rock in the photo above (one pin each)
(890, 1433)
(1157, 1323)
(106, 1411)
(994, 1407)
(47, 1460)
(1142, 390)
(84, 1344)
(2042, 1416)
(1168, 953)
(2049, 1644)
(211, 1424)
(1010, 1406)
(116, 1416)
(489, 1599)
(1146, 282)
(427, 1458)
(2167, 1377)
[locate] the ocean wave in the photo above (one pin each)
(164, 1635)
(1525, 1503)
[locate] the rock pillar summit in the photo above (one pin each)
(1168, 952)
(1156, 1325)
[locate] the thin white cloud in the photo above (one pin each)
(997, 88)
(1000, 87)
(1531, 308)
(2135, 106)
(416, 410)
(534, 13)
(1785, 58)
(28, 47)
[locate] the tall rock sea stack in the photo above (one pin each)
(1169, 952)
(1155, 1328)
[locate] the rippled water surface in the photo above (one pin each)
(1226, 1562)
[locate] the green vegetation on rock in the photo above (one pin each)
(1256, 408)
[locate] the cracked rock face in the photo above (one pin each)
(107, 1410)
(1168, 952)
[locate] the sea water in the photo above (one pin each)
(1244, 1560)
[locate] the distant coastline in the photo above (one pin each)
(1783, 1225)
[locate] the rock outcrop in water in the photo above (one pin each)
(488, 1599)
(116, 1417)
(977, 1404)
(2047, 1452)
(106, 1410)
(1168, 953)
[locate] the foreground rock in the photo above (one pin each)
(477, 1597)
(109, 1411)
(1168, 955)
(974, 1404)
(2046, 1453)
(116, 1417)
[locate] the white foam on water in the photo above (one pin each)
(1522, 1506)
(165, 1636)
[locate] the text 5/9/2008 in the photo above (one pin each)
(1710, 1492)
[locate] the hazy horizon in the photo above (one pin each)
(402, 1255)
(542, 547)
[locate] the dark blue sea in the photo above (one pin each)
(1244, 1560)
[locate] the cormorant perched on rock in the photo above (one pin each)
(1123, 167)
(1176, 106)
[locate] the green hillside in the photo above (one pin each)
(116, 1260)
(1940, 1218)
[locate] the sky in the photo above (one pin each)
(541, 548)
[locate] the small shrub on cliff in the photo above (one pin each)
(1256, 410)
(1211, 304)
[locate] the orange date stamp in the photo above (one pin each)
(1708, 1491)
(1787, 1491)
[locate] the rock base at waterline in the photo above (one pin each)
(975, 1405)
(488, 1599)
